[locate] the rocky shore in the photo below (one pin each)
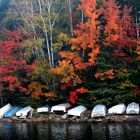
(86, 117)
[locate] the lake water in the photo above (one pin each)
(69, 131)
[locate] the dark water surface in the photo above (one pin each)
(69, 131)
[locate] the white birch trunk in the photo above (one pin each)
(45, 32)
(70, 13)
(137, 28)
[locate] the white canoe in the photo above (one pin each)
(77, 111)
(61, 107)
(25, 112)
(99, 111)
(4, 109)
(45, 108)
(133, 108)
(117, 109)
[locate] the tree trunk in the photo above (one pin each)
(45, 33)
(71, 20)
(1, 98)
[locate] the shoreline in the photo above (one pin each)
(84, 118)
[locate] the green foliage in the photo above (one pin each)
(41, 72)
(62, 40)
(32, 47)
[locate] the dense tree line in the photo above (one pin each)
(81, 51)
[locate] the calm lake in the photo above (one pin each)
(69, 131)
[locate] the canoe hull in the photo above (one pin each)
(12, 112)
(45, 108)
(77, 111)
(61, 107)
(25, 112)
(99, 111)
(133, 108)
(117, 109)
(4, 109)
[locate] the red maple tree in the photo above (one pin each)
(11, 60)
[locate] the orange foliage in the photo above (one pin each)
(111, 13)
(50, 94)
(36, 90)
(86, 37)
(82, 90)
(68, 55)
(119, 28)
(89, 7)
(66, 72)
(103, 75)
(83, 53)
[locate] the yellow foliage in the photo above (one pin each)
(50, 94)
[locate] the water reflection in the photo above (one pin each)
(99, 131)
(69, 131)
(116, 131)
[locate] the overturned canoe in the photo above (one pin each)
(77, 111)
(45, 108)
(4, 109)
(61, 107)
(117, 109)
(133, 108)
(99, 111)
(25, 112)
(12, 112)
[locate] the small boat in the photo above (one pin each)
(4, 109)
(61, 107)
(133, 108)
(77, 111)
(25, 112)
(45, 108)
(99, 111)
(117, 109)
(12, 112)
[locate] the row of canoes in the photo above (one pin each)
(8, 111)
(131, 109)
(99, 110)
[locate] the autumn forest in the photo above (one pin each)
(81, 51)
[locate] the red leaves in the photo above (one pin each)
(129, 59)
(120, 53)
(12, 34)
(73, 97)
(11, 58)
(68, 84)
(22, 89)
(10, 78)
(136, 90)
(10, 55)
